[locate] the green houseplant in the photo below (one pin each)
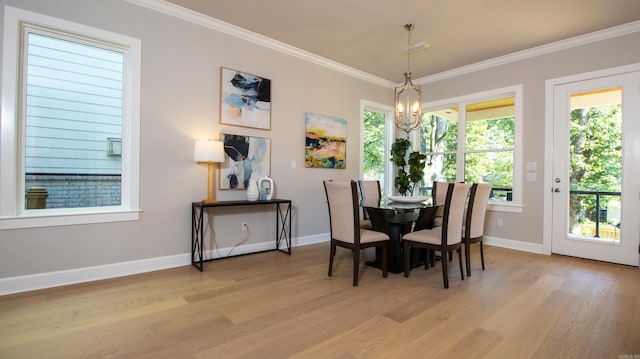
(410, 170)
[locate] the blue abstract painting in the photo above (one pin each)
(246, 159)
(245, 99)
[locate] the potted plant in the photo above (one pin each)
(410, 170)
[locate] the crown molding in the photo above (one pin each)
(261, 40)
(535, 51)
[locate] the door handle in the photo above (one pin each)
(556, 190)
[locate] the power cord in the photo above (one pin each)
(215, 243)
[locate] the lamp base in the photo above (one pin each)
(209, 200)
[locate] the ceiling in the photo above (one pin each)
(369, 35)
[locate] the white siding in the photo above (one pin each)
(73, 104)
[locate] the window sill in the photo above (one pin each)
(50, 218)
(504, 207)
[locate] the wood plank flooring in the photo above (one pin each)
(271, 305)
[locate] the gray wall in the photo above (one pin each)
(180, 95)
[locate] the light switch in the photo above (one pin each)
(531, 166)
(293, 164)
(531, 177)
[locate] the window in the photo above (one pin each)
(70, 154)
(476, 139)
(377, 132)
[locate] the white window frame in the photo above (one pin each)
(389, 137)
(12, 212)
(515, 205)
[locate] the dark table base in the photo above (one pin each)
(417, 258)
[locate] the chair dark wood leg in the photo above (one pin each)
(356, 266)
(467, 257)
(427, 258)
(450, 256)
(332, 253)
(460, 262)
(445, 275)
(405, 259)
(482, 255)
(385, 260)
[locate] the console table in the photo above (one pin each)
(283, 225)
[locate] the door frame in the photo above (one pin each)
(549, 139)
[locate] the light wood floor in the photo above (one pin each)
(270, 305)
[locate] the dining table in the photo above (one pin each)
(401, 220)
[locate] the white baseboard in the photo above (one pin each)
(31, 282)
(511, 244)
(80, 275)
(87, 274)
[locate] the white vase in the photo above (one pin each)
(252, 191)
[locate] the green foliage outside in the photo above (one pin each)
(374, 133)
(595, 160)
(489, 150)
(596, 152)
(495, 140)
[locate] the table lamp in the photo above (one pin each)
(209, 151)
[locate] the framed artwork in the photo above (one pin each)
(246, 159)
(326, 141)
(245, 99)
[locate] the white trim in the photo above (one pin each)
(580, 40)
(499, 206)
(389, 137)
(313, 239)
(547, 219)
(31, 282)
(515, 206)
(258, 39)
(87, 274)
(236, 31)
(53, 219)
(12, 213)
(513, 244)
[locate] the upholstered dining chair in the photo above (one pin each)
(344, 218)
(426, 220)
(473, 229)
(370, 197)
(445, 239)
(438, 196)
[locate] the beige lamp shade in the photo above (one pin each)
(208, 151)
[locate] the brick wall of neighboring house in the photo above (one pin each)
(72, 191)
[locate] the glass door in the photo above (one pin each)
(596, 195)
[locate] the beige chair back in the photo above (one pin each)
(342, 198)
(454, 212)
(439, 192)
(371, 193)
(478, 201)
(438, 196)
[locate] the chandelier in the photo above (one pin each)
(408, 97)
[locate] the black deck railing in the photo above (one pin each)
(599, 210)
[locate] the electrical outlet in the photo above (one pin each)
(244, 226)
(500, 222)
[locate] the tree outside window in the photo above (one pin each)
(476, 145)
